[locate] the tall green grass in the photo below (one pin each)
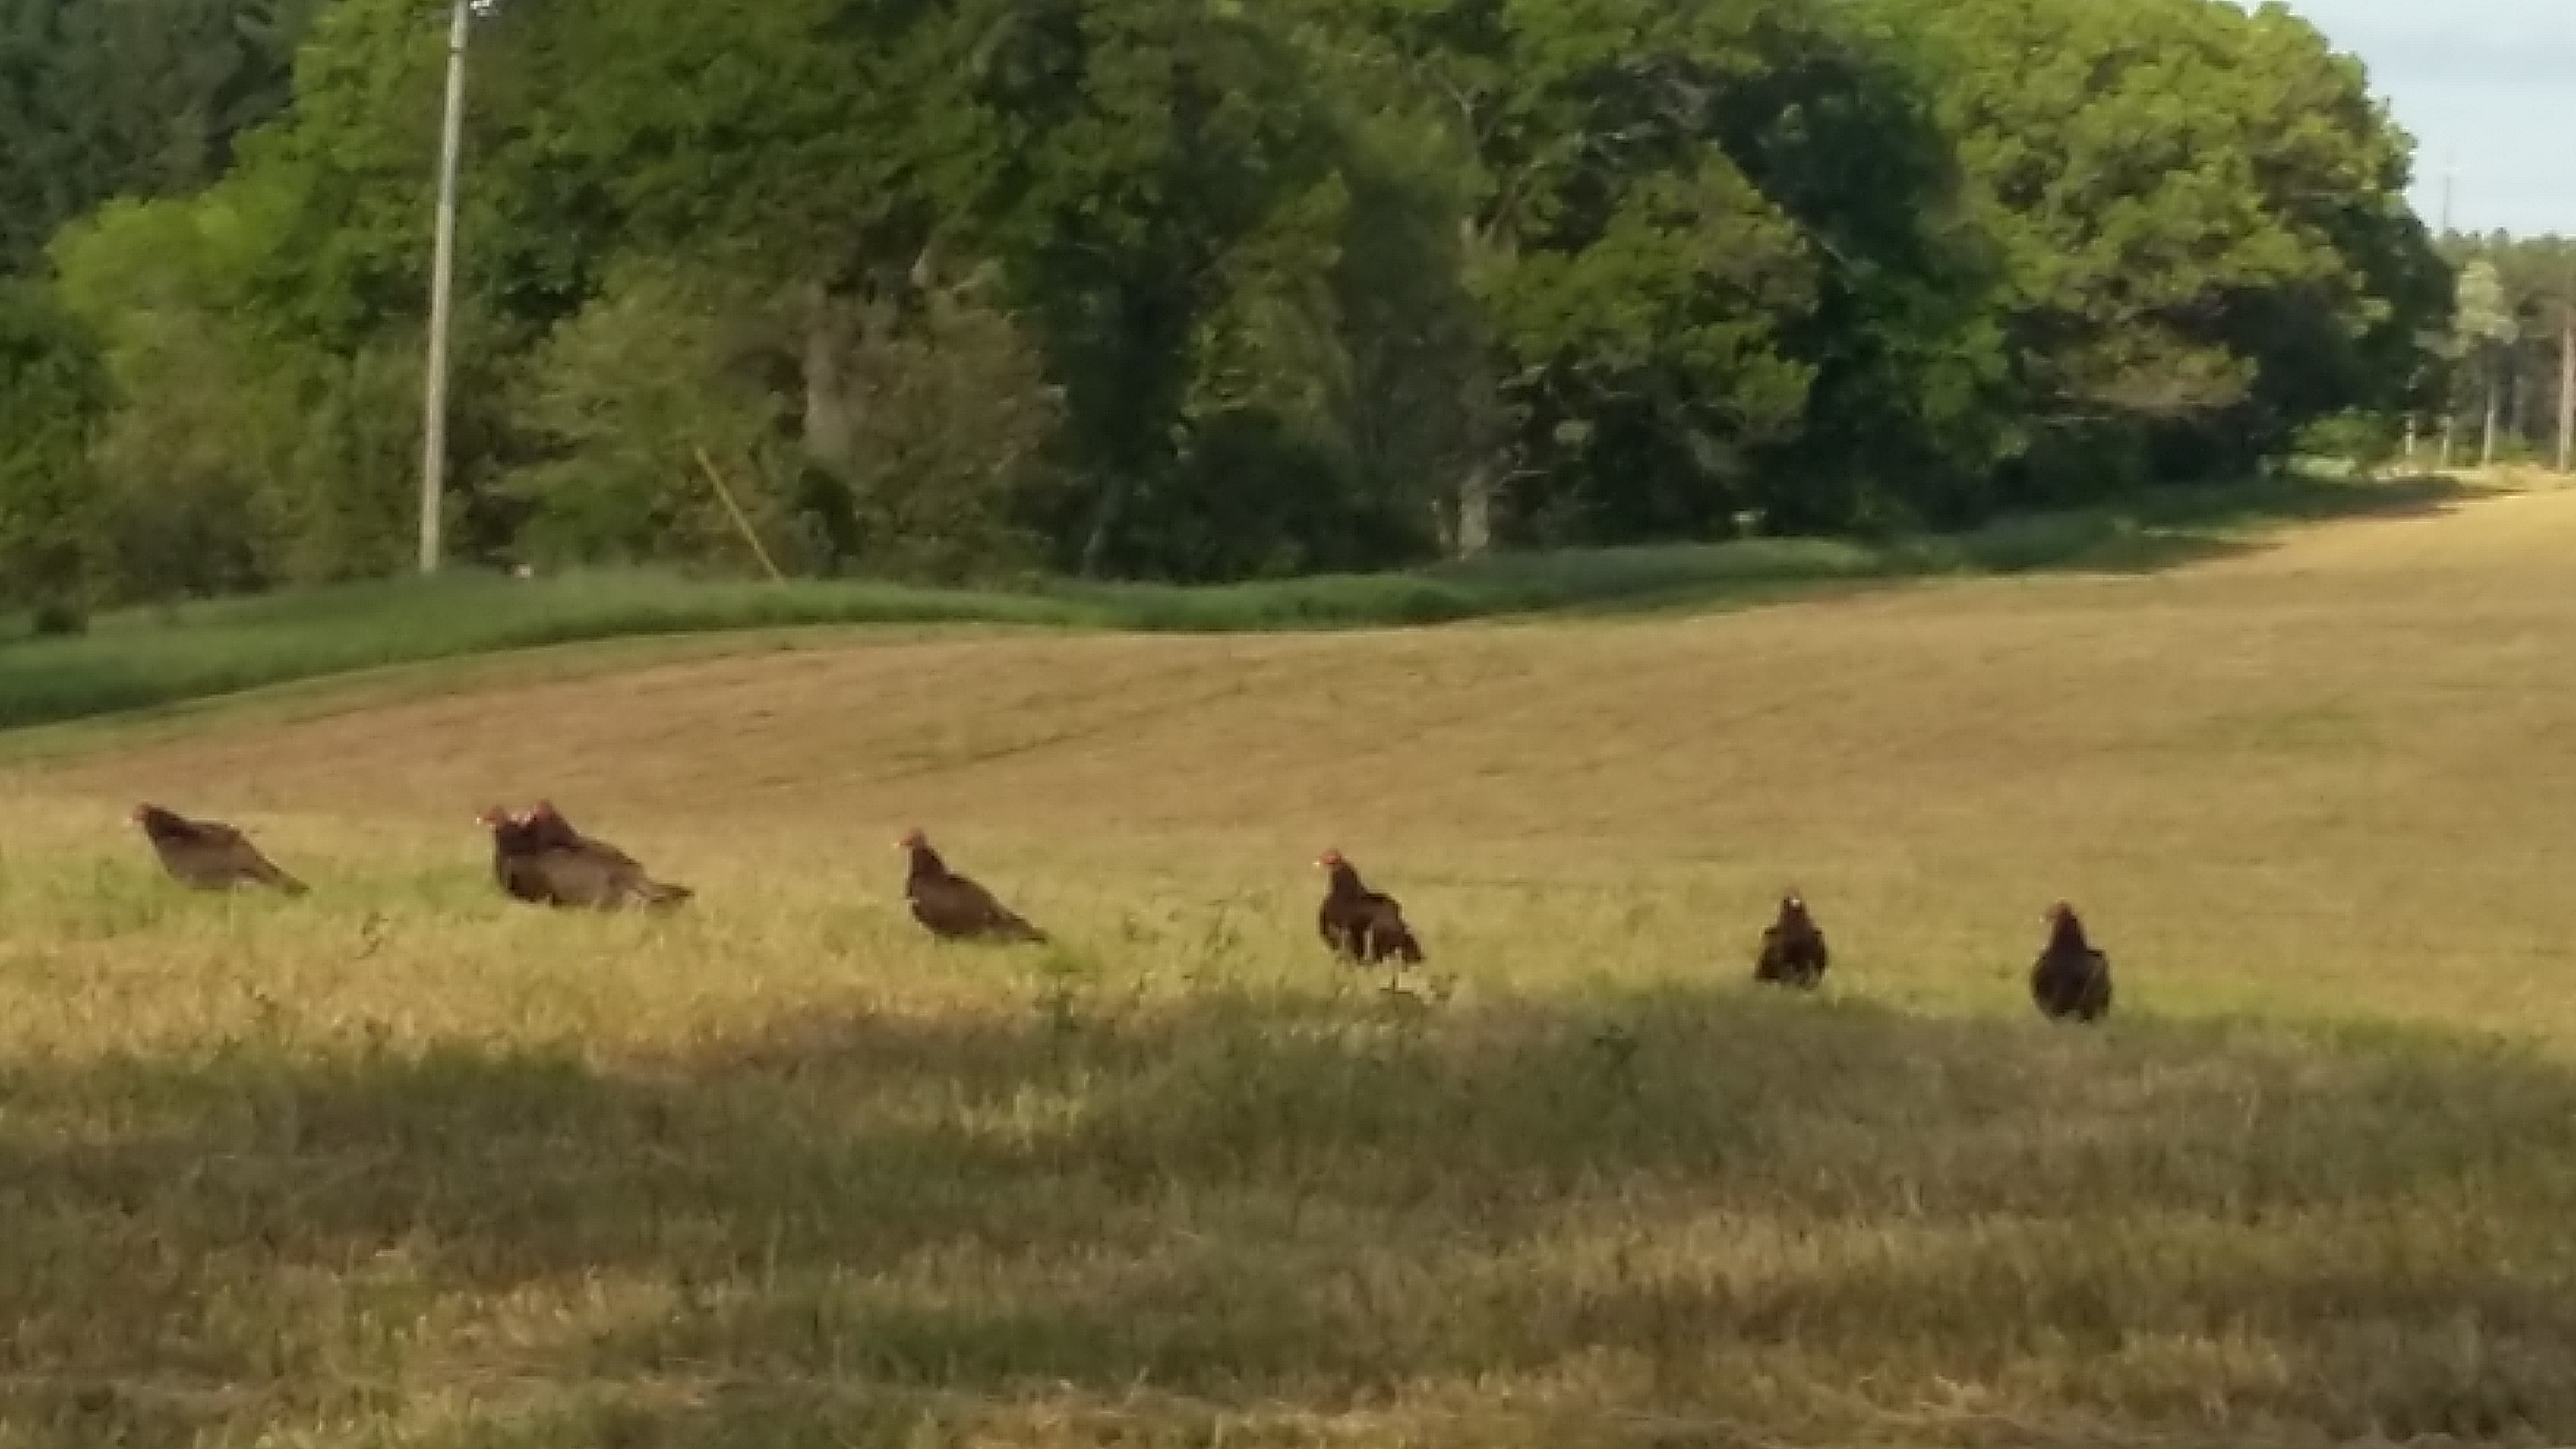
(145, 658)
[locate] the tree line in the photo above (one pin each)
(2513, 346)
(1180, 289)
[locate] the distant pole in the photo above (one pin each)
(442, 286)
(2450, 174)
(2567, 378)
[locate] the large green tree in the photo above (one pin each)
(104, 98)
(54, 393)
(1151, 187)
(2200, 216)
(1715, 254)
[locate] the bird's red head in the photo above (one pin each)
(1792, 897)
(913, 839)
(139, 813)
(544, 810)
(1330, 860)
(2059, 912)
(494, 817)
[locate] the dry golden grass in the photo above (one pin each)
(403, 1164)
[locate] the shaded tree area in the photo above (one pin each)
(1183, 289)
(105, 98)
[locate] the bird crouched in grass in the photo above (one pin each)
(1362, 926)
(2071, 980)
(1793, 948)
(953, 907)
(540, 858)
(209, 855)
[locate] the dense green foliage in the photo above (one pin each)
(981, 290)
(57, 392)
(103, 98)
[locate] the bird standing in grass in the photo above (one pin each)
(515, 848)
(953, 907)
(540, 858)
(209, 855)
(1362, 926)
(2071, 980)
(1793, 948)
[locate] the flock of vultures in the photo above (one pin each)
(538, 857)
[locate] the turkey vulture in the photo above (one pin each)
(953, 907)
(1361, 925)
(540, 858)
(514, 852)
(208, 855)
(1793, 949)
(2070, 979)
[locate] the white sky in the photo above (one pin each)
(2487, 86)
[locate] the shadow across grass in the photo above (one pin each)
(145, 659)
(1259, 1215)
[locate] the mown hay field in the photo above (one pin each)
(403, 1164)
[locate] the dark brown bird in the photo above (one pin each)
(208, 855)
(514, 850)
(1793, 949)
(953, 907)
(1362, 926)
(2070, 980)
(540, 858)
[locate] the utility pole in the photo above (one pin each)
(442, 286)
(2450, 175)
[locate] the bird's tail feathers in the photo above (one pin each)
(661, 896)
(265, 871)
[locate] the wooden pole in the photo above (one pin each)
(442, 286)
(740, 519)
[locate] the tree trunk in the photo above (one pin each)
(1475, 510)
(2450, 430)
(2407, 448)
(1104, 523)
(2566, 384)
(831, 431)
(2487, 436)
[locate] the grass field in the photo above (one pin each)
(162, 657)
(400, 1164)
